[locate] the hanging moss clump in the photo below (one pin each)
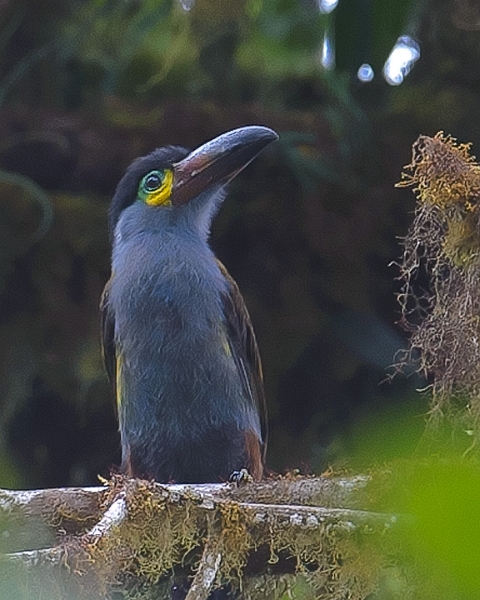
(440, 269)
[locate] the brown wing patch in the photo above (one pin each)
(243, 345)
(254, 452)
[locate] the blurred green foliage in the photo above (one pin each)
(147, 50)
(444, 499)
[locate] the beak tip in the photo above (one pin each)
(267, 132)
(271, 134)
(259, 133)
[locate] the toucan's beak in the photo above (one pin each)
(218, 161)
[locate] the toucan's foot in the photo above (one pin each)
(240, 477)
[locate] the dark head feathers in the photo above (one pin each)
(127, 188)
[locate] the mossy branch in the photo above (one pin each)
(135, 531)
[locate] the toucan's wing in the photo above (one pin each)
(243, 346)
(107, 324)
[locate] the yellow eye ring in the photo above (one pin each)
(156, 188)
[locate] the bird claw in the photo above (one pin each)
(240, 477)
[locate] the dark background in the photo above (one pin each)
(309, 230)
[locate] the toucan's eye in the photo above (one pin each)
(153, 181)
(156, 187)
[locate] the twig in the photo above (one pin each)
(113, 517)
(207, 570)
